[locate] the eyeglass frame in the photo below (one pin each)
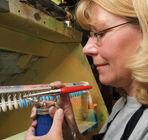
(103, 31)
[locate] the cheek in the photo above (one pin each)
(112, 49)
(119, 48)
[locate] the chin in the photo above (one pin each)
(107, 82)
(111, 83)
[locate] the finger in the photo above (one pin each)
(34, 123)
(57, 84)
(30, 133)
(52, 111)
(56, 128)
(64, 102)
(33, 113)
(65, 97)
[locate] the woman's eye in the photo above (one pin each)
(101, 34)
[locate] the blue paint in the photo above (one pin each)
(20, 103)
(45, 98)
(75, 94)
(52, 98)
(70, 95)
(30, 103)
(49, 98)
(81, 92)
(25, 103)
(42, 98)
(58, 96)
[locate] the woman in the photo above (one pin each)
(118, 45)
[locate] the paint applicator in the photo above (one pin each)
(44, 120)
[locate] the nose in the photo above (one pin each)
(90, 48)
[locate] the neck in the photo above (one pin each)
(131, 91)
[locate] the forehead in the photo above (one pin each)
(101, 17)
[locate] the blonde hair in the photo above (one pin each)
(131, 10)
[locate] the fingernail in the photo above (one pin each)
(60, 112)
(52, 84)
(33, 123)
(32, 113)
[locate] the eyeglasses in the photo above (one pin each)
(101, 33)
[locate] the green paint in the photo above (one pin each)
(102, 117)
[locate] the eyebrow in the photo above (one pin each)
(98, 23)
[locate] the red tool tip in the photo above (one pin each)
(66, 90)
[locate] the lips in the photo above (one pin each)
(98, 66)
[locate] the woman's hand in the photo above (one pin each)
(55, 132)
(65, 104)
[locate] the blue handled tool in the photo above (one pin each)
(44, 121)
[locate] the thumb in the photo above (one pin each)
(30, 134)
(56, 129)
